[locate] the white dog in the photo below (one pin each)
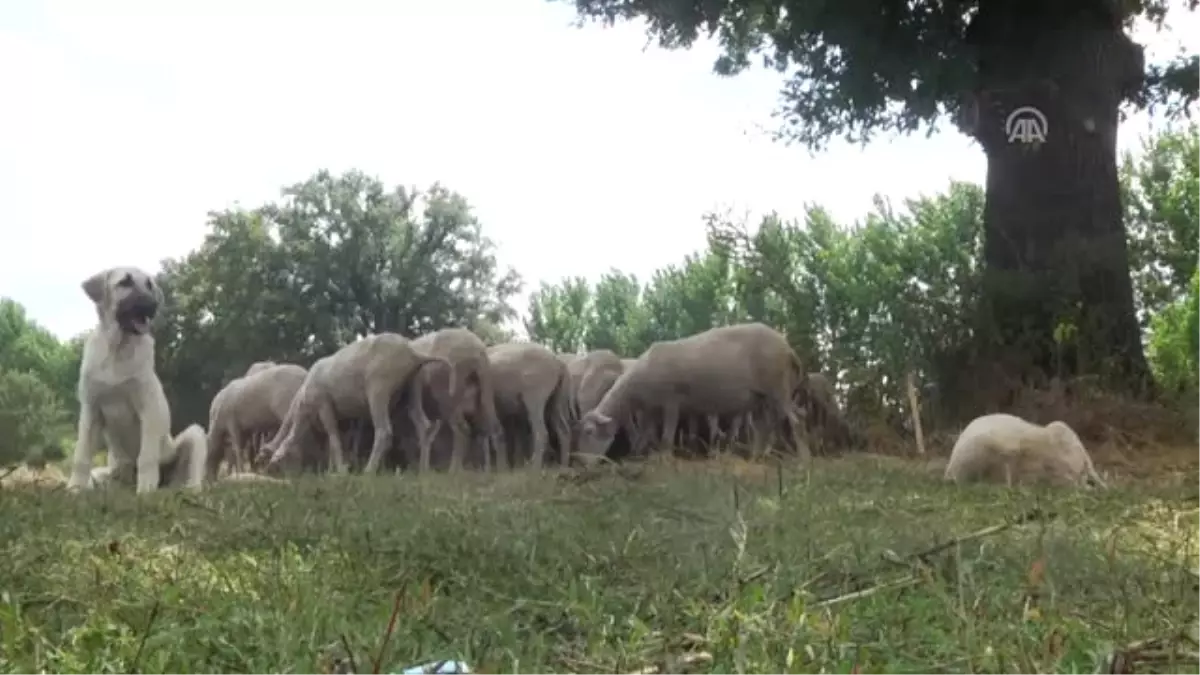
(1005, 447)
(121, 399)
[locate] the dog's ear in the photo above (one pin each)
(94, 286)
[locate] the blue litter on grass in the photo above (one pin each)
(437, 668)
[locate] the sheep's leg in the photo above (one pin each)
(459, 438)
(423, 431)
(502, 446)
(715, 437)
(670, 423)
(378, 400)
(785, 413)
(492, 430)
(356, 433)
(639, 441)
(329, 423)
(762, 432)
(537, 427)
(421, 426)
(735, 429)
(235, 439)
(562, 429)
(216, 451)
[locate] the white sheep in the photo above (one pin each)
(1001, 445)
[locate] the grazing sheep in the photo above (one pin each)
(532, 382)
(825, 421)
(463, 385)
(729, 370)
(359, 380)
(592, 375)
(1001, 446)
(257, 402)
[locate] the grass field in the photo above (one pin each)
(852, 566)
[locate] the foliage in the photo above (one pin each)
(525, 573)
(37, 382)
(33, 419)
(1162, 212)
(336, 258)
(858, 68)
(1174, 348)
(865, 303)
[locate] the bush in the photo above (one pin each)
(33, 418)
(1174, 350)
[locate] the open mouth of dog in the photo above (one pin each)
(137, 319)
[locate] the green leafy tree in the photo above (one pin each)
(33, 418)
(337, 257)
(560, 314)
(1162, 212)
(1053, 240)
(37, 380)
(1175, 341)
(620, 323)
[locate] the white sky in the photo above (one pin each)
(124, 121)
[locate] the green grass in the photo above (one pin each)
(683, 567)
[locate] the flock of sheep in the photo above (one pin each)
(446, 400)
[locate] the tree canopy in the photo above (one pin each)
(857, 68)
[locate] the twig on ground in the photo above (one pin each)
(920, 560)
(1134, 656)
(896, 583)
(1032, 515)
(137, 656)
(387, 636)
(676, 665)
(349, 654)
(11, 471)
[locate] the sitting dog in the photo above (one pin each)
(121, 398)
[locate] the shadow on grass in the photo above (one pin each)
(680, 566)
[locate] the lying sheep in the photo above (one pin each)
(359, 380)
(1001, 446)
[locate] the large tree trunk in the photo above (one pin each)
(1057, 297)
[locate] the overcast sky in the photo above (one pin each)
(125, 121)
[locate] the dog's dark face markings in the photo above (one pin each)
(126, 295)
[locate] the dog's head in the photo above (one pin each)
(126, 297)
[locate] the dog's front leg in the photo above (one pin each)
(156, 429)
(86, 444)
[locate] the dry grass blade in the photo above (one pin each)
(680, 664)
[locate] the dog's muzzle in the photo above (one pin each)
(136, 312)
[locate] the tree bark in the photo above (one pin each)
(1057, 296)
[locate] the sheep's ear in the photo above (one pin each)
(606, 424)
(94, 286)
